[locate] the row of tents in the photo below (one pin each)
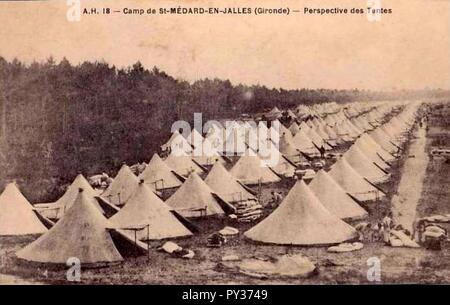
(95, 226)
(314, 214)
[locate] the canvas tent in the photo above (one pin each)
(194, 138)
(216, 136)
(371, 153)
(250, 169)
(182, 163)
(383, 140)
(317, 139)
(301, 220)
(374, 146)
(288, 149)
(353, 183)
(271, 156)
(177, 142)
(335, 198)
(303, 143)
(196, 199)
(294, 128)
(333, 136)
(274, 113)
(226, 185)
(145, 208)
(57, 209)
(159, 175)
(364, 166)
(206, 154)
(82, 233)
(122, 188)
(16, 214)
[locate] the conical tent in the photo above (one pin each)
(355, 131)
(317, 139)
(392, 132)
(57, 209)
(206, 154)
(330, 120)
(271, 157)
(383, 140)
(371, 154)
(195, 198)
(303, 143)
(364, 166)
(250, 169)
(236, 137)
(274, 135)
(16, 214)
(145, 208)
(195, 138)
(122, 188)
(373, 145)
(304, 126)
(217, 138)
(353, 183)
(182, 163)
(342, 133)
(319, 130)
(159, 175)
(288, 149)
(275, 112)
(335, 198)
(283, 129)
(291, 114)
(81, 233)
(294, 128)
(178, 142)
(301, 219)
(225, 185)
(332, 134)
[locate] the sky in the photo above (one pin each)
(408, 49)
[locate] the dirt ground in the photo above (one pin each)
(398, 265)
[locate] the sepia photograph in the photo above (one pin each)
(226, 142)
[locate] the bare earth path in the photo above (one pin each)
(411, 183)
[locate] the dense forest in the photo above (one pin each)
(58, 119)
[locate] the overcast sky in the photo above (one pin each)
(408, 49)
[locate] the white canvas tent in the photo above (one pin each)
(182, 163)
(143, 209)
(177, 142)
(195, 138)
(353, 183)
(364, 166)
(383, 140)
(371, 153)
(303, 143)
(57, 209)
(335, 198)
(301, 219)
(273, 158)
(250, 169)
(206, 154)
(226, 185)
(81, 233)
(159, 175)
(122, 188)
(16, 214)
(196, 199)
(288, 149)
(294, 128)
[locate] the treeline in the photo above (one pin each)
(58, 119)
